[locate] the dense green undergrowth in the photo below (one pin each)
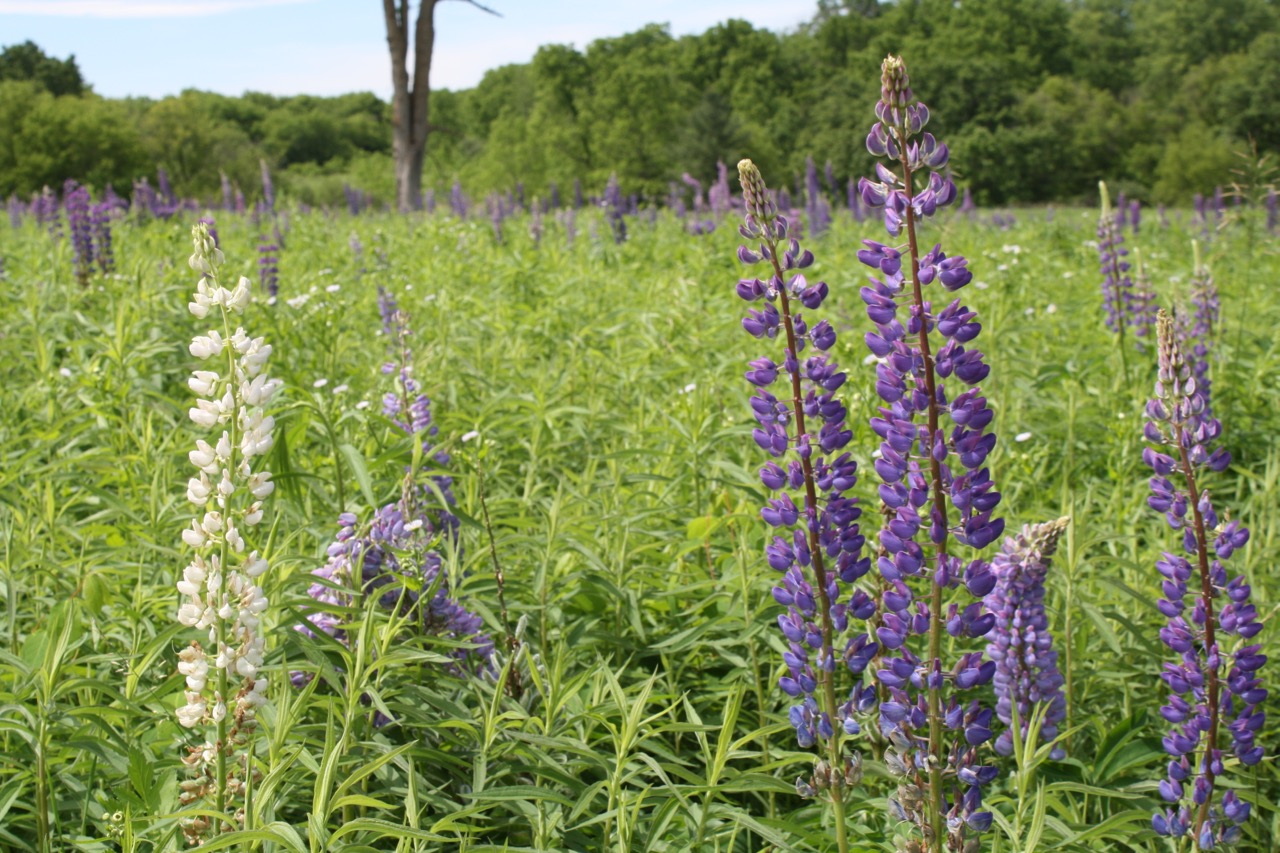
(605, 383)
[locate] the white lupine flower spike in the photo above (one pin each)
(220, 594)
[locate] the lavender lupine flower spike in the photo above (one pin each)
(76, 200)
(1202, 690)
(1143, 304)
(1197, 324)
(1026, 665)
(1117, 287)
(927, 472)
(394, 556)
(818, 547)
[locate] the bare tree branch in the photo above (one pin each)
(483, 8)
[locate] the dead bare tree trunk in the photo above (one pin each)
(409, 99)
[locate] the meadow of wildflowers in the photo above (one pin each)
(536, 568)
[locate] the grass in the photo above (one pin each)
(605, 383)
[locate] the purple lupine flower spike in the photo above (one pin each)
(934, 482)
(1195, 326)
(816, 209)
(1204, 693)
(1027, 673)
(269, 267)
(1143, 303)
(76, 201)
(396, 556)
(615, 208)
(1273, 211)
(268, 188)
(719, 195)
(817, 546)
(100, 219)
(1117, 286)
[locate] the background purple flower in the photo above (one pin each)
(1117, 286)
(75, 199)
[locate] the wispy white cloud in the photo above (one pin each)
(133, 8)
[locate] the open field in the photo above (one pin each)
(605, 383)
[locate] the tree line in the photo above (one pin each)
(1039, 99)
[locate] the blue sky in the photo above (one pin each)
(325, 47)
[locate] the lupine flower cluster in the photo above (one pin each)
(719, 195)
(817, 546)
(1143, 303)
(1021, 646)
(75, 199)
(219, 587)
(100, 218)
(268, 188)
(1117, 286)
(1197, 322)
(1204, 694)
(269, 266)
(615, 208)
(927, 471)
(394, 556)
(696, 185)
(44, 206)
(817, 210)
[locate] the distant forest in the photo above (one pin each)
(1039, 99)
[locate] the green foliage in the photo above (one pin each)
(27, 61)
(1041, 97)
(45, 139)
(1197, 157)
(605, 382)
